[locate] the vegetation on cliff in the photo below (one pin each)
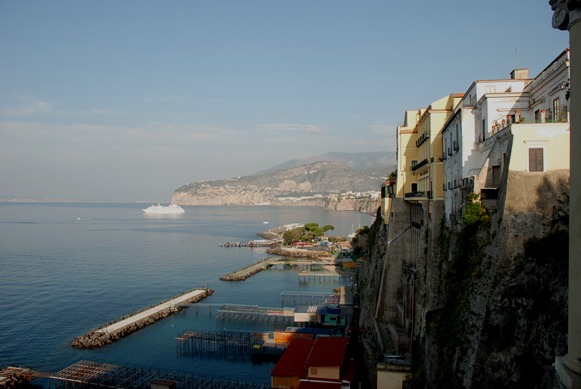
(503, 319)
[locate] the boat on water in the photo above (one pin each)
(172, 209)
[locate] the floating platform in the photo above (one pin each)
(126, 325)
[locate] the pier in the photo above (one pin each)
(248, 271)
(323, 277)
(256, 313)
(252, 243)
(87, 374)
(126, 325)
(288, 298)
(230, 345)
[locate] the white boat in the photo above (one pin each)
(172, 209)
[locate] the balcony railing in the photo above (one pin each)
(419, 165)
(414, 195)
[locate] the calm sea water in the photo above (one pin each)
(67, 268)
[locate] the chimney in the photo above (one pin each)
(519, 74)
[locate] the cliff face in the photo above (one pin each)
(477, 305)
(335, 185)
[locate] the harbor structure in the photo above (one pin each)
(126, 325)
(89, 374)
(231, 345)
(248, 271)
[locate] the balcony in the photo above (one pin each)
(420, 165)
(418, 195)
(422, 139)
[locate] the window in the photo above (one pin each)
(556, 109)
(414, 187)
(536, 160)
(414, 163)
(537, 116)
(496, 176)
(483, 129)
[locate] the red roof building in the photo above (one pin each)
(321, 363)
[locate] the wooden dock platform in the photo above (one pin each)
(123, 326)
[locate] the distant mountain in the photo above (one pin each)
(314, 181)
(357, 161)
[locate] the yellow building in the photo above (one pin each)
(422, 151)
(407, 151)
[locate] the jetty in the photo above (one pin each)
(252, 243)
(248, 271)
(126, 325)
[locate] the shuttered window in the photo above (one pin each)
(535, 159)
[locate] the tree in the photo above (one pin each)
(328, 227)
(291, 236)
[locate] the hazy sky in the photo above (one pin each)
(127, 100)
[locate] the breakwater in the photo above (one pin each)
(126, 325)
(248, 271)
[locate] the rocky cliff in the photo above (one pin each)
(343, 182)
(472, 305)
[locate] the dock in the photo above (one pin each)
(248, 271)
(323, 277)
(88, 374)
(254, 313)
(295, 298)
(126, 325)
(252, 243)
(230, 345)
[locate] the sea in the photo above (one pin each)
(66, 268)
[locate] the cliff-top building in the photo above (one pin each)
(517, 124)
(506, 140)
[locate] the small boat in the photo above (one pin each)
(172, 209)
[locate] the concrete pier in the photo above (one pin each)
(248, 271)
(126, 325)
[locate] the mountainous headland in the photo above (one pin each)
(336, 181)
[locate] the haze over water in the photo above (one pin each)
(67, 268)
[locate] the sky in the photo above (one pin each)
(128, 100)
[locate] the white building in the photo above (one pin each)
(515, 124)
(484, 104)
